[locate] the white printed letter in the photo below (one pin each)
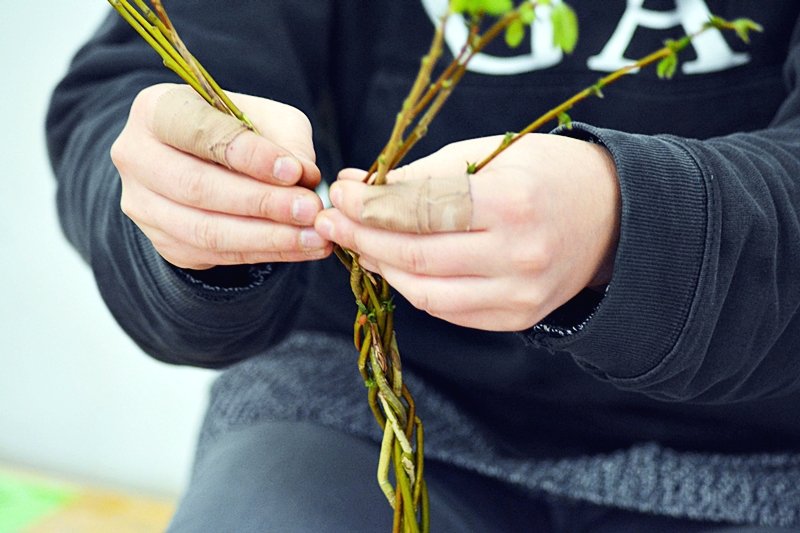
(543, 52)
(713, 53)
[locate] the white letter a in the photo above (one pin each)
(713, 53)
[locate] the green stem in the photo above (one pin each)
(383, 465)
(405, 116)
(439, 92)
(588, 92)
(420, 463)
(426, 509)
(132, 17)
(234, 110)
(409, 516)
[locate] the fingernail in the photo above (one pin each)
(309, 239)
(304, 210)
(325, 227)
(287, 170)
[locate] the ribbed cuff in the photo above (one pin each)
(658, 260)
(201, 303)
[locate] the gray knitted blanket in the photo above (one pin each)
(313, 377)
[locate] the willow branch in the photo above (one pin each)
(671, 48)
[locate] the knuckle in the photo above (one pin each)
(206, 236)
(120, 152)
(116, 152)
(126, 205)
(522, 207)
(414, 258)
(406, 173)
(283, 240)
(193, 187)
(264, 204)
(234, 258)
(532, 258)
(286, 256)
(245, 150)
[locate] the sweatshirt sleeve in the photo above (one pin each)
(272, 49)
(703, 303)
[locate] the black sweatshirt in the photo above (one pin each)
(694, 344)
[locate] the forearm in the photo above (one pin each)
(702, 302)
(172, 314)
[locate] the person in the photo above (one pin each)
(610, 343)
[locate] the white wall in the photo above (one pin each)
(76, 396)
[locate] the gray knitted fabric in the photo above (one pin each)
(313, 377)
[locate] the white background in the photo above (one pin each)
(76, 396)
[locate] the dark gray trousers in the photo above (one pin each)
(302, 477)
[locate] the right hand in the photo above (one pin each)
(199, 214)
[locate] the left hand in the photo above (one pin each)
(544, 226)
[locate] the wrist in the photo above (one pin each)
(609, 208)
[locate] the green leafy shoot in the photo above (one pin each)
(741, 26)
(666, 67)
(565, 120)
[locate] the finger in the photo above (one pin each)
(483, 303)
(262, 159)
(185, 121)
(186, 256)
(217, 233)
(440, 296)
(193, 182)
(452, 254)
(287, 127)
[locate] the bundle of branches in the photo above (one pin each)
(379, 362)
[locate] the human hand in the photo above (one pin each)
(544, 225)
(199, 214)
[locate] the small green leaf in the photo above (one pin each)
(597, 90)
(515, 32)
(565, 120)
(388, 305)
(481, 7)
(565, 27)
(666, 67)
(472, 168)
(527, 14)
(508, 137)
(743, 27)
